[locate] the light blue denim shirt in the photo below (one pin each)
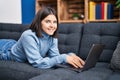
(34, 50)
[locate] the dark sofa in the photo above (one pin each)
(73, 37)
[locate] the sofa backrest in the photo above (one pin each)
(12, 31)
(69, 37)
(105, 33)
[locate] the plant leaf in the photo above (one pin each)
(118, 4)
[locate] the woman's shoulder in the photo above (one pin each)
(29, 35)
(28, 32)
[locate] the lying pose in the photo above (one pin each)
(39, 44)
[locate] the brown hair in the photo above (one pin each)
(41, 14)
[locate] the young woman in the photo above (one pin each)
(38, 45)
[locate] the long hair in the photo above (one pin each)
(41, 14)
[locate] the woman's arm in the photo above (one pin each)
(54, 51)
(71, 58)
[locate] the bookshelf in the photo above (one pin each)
(67, 9)
(105, 11)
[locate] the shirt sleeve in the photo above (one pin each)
(31, 48)
(54, 51)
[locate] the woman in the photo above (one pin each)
(38, 45)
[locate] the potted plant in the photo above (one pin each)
(118, 3)
(75, 16)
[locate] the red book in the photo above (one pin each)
(102, 10)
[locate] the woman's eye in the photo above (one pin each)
(55, 22)
(47, 21)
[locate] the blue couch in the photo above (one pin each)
(73, 37)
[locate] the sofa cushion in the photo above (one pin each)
(69, 37)
(93, 74)
(100, 72)
(58, 74)
(115, 61)
(114, 76)
(18, 71)
(105, 33)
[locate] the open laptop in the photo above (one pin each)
(90, 61)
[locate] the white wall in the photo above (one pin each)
(10, 11)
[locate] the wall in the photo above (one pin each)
(17, 11)
(10, 11)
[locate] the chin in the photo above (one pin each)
(50, 34)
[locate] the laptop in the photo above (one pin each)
(90, 61)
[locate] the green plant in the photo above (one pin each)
(118, 4)
(75, 15)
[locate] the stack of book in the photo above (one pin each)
(103, 10)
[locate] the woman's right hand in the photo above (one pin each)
(75, 61)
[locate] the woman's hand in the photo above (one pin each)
(75, 61)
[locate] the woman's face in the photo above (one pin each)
(49, 24)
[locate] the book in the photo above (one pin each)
(110, 11)
(92, 10)
(98, 11)
(105, 10)
(102, 10)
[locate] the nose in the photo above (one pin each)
(52, 25)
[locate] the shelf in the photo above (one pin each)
(42, 3)
(108, 8)
(71, 21)
(108, 20)
(66, 8)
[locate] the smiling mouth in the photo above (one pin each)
(51, 30)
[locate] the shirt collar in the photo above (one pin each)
(45, 36)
